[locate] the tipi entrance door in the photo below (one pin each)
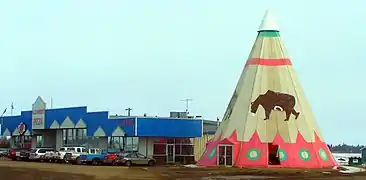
(225, 155)
(273, 154)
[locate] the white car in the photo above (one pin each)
(73, 154)
(50, 155)
(38, 154)
(59, 155)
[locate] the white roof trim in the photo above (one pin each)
(27, 133)
(99, 132)
(80, 124)
(55, 125)
(67, 123)
(118, 132)
(6, 132)
(16, 132)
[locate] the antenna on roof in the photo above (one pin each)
(187, 104)
(128, 111)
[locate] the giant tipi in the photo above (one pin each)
(268, 122)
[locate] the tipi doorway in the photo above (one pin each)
(273, 154)
(225, 155)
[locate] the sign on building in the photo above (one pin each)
(38, 114)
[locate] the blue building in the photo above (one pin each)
(167, 139)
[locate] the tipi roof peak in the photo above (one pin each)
(268, 22)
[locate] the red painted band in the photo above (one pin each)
(268, 62)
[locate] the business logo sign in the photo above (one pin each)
(22, 128)
(38, 114)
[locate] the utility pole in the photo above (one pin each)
(2, 117)
(128, 111)
(187, 104)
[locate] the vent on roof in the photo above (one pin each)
(178, 114)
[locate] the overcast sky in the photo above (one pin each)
(149, 55)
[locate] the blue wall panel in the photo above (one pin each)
(74, 113)
(96, 119)
(127, 124)
(12, 122)
(158, 127)
(166, 127)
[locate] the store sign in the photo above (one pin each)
(127, 122)
(22, 128)
(38, 114)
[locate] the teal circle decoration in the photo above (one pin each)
(212, 153)
(323, 154)
(253, 154)
(304, 155)
(282, 154)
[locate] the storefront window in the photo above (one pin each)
(182, 147)
(159, 149)
(39, 142)
(124, 143)
(23, 141)
(74, 137)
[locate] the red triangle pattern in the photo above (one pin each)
(254, 153)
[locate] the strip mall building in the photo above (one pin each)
(167, 139)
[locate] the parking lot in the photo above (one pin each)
(15, 170)
(18, 170)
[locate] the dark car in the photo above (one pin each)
(18, 154)
(4, 152)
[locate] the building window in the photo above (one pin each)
(116, 142)
(74, 137)
(182, 146)
(124, 143)
(132, 143)
(39, 142)
(23, 141)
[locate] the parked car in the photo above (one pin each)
(49, 156)
(59, 156)
(94, 157)
(135, 158)
(25, 154)
(17, 154)
(111, 155)
(4, 152)
(38, 154)
(73, 154)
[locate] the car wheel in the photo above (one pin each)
(151, 163)
(65, 160)
(128, 163)
(78, 162)
(114, 163)
(95, 162)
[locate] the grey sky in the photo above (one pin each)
(148, 55)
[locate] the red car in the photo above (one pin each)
(18, 154)
(111, 156)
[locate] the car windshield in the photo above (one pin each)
(111, 151)
(33, 150)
